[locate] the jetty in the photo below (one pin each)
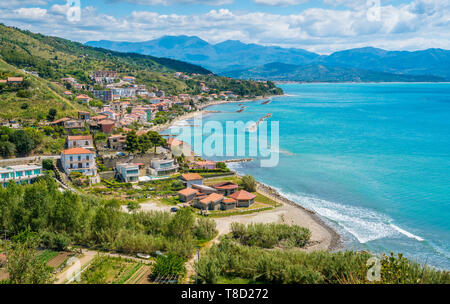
(239, 160)
(255, 126)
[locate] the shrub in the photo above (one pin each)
(168, 266)
(47, 164)
(249, 183)
(205, 229)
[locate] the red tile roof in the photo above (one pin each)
(76, 151)
(229, 201)
(213, 197)
(86, 137)
(187, 192)
(242, 195)
(191, 176)
(226, 186)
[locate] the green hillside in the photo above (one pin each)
(32, 100)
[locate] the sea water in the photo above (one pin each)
(372, 159)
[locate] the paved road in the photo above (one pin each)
(29, 159)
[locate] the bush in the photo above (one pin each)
(249, 183)
(55, 241)
(168, 266)
(205, 229)
(47, 164)
(270, 235)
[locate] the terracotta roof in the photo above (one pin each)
(3, 81)
(15, 79)
(76, 151)
(226, 186)
(85, 137)
(82, 96)
(205, 163)
(60, 120)
(99, 117)
(187, 191)
(242, 195)
(213, 197)
(106, 122)
(229, 201)
(191, 176)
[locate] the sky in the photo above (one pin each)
(322, 26)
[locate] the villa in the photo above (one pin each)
(24, 174)
(163, 167)
(117, 142)
(79, 160)
(83, 98)
(128, 173)
(187, 195)
(226, 188)
(86, 142)
(243, 198)
(190, 179)
(211, 202)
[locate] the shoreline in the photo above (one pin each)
(201, 111)
(322, 233)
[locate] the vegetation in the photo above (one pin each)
(24, 264)
(168, 266)
(270, 235)
(249, 183)
(106, 270)
(61, 219)
(230, 261)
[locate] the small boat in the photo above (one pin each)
(266, 102)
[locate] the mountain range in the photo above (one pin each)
(234, 58)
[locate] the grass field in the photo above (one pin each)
(109, 270)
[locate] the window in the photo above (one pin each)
(87, 143)
(87, 157)
(37, 171)
(79, 158)
(5, 175)
(71, 158)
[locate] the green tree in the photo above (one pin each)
(51, 114)
(249, 183)
(7, 148)
(168, 266)
(47, 164)
(23, 142)
(24, 264)
(132, 142)
(156, 139)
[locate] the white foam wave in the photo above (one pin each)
(408, 234)
(364, 224)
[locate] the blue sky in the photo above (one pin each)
(321, 26)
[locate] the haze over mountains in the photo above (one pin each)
(236, 59)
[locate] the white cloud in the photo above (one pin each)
(417, 25)
(280, 2)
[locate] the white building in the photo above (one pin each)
(24, 174)
(163, 167)
(79, 160)
(128, 173)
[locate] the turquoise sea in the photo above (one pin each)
(372, 159)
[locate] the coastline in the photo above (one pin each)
(323, 236)
(201, 111)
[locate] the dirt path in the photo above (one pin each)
(85, 260)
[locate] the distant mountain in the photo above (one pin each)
(428, 62)
(228, 55)
(319, 73)
(231, 56)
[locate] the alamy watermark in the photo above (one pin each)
(374, 271)
(373, 13)
(235, 139)
(74, 11)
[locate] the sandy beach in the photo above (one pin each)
(201, 111)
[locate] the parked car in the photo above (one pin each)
(174, 209)
(143, 256)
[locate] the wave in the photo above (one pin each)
(364, 224)
(408, 234)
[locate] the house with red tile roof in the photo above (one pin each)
(84, 141)
(226, 188)
(211, 202)
(187, 195)
(190, 179)
(79, 160)
(243, 198)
